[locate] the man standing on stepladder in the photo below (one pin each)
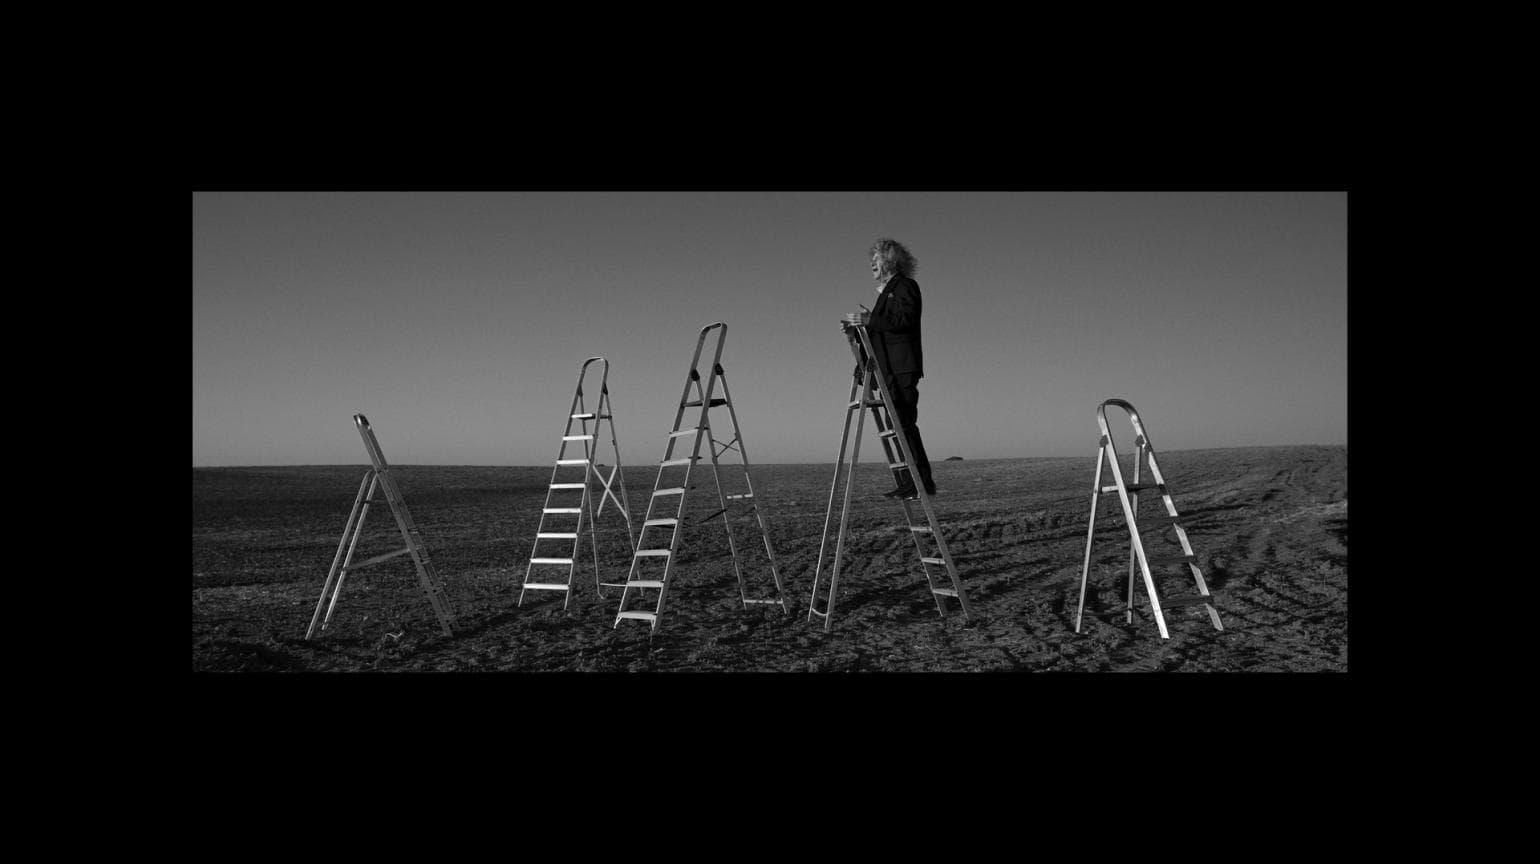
(894, 325)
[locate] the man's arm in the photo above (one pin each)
(901, 312)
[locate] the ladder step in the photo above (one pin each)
(1173, 559)
(869, 404)
(582, 416)
(571, 461)
(677, 490)
(546, 586)
(651, 522)
(562, 510)
(921, 529)
(752, 600)
(890, 433)
(567, 485)
(1189, 600)
(613, 584)
(577, 437)
(652, 553)
(714, 403)
(945, 592)
(643, 616)
(550, 560)
(897, 465)
(1135, 487)
(939, 561)
(740, 497)
(683, 432)
(643, 583)
(556, 535)
(685, 461)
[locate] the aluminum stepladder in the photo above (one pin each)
(873, 389)
(1128, 497)
(590, 441)
(378, 477)
(701, 431)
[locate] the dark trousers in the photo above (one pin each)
(905, 395)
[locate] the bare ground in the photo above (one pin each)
(1269, 526)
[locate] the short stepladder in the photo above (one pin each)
(1128, 497)
(638, 583)
(873, 389)
(563, 488)
(378, 477)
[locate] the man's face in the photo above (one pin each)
(877, 267)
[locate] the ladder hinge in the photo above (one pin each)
(694, 375)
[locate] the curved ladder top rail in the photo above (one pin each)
(1133, 415)
(371, 443)
(604, 378)
(700, 342)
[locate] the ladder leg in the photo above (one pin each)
(427, 576)
(850, 477)
(347, 562)
(331, 575)
(828, 517)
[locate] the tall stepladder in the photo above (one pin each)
(873, 394)
(1128, 498)
(378, 477)
(558, 505)
(667, 489)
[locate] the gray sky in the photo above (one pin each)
(457, 321)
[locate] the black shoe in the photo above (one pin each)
(930, 490)
(901, 492)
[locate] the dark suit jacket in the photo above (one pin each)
(894, 326)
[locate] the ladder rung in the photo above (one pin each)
(685, 461)
(921, 529)
(653, 553)
(1175, 559)
(897, 465)
(562, 510)
(651, 522)
(571, 461)
(556, 535)
(938, 561)
(577, 437)
(752, 600)
(1189, 600)
(1135, 487)
(613, 584)
(644, 616)
(945, 592)
(550, 560)
(889, 433)
(546, 586)
(377, 559)
(739, 497)
(677, 490)
(643, 583)
(582, 416)
(820, 614)
(714, 403)
(567, 485)
(683, 432)
(870, 403)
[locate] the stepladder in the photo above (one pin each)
(648, 586)
(561, 512)
(378, 479)
(1142, 562)
(869, 391)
